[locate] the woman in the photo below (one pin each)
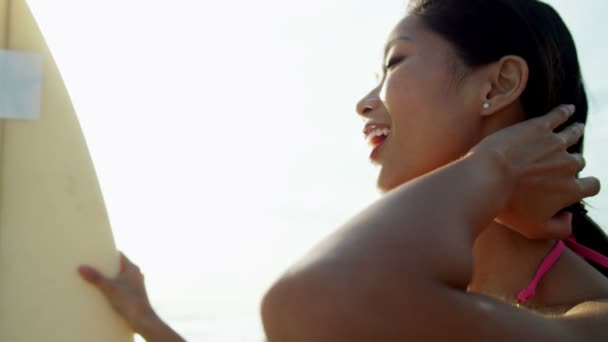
(468, 242)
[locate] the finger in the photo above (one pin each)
(123, 262)
(571, 134)
(563, 164)
(570, 163)
(127, 264)
(128, 267)
(89, 274)
(560, 225)
(589, 186)
(580, 162)
(558, 116)
(95, 278)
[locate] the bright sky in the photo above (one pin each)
(224, 132)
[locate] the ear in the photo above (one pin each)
(507, 80)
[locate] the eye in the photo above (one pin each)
(393, 61)
(385, 68)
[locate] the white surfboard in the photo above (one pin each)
(52, 214)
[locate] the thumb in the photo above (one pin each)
(560, 225)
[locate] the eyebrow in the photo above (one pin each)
(393, 41)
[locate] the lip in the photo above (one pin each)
(374, 155)
(367, 130)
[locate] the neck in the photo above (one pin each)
(504, 262)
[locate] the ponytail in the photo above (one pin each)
(589, 234)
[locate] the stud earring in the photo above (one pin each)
(486, 105)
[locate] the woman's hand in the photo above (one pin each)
(542, 174)
(126, 293)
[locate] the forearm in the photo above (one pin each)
(427, 226)
(154, 329)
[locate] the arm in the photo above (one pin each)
(399, 270)
(155, 330)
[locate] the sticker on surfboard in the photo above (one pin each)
(20, 85)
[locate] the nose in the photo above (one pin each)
(369, 103)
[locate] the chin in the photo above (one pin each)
(381, 188)
(387, 181)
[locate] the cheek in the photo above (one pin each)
(425, 110)
(431, 124)
(414, 87)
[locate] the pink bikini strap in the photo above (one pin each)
(586, 252)
(528, 293)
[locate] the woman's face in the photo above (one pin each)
(433, 114)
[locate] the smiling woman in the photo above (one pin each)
(226, 145)
(480, 191)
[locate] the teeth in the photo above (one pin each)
(377, 133)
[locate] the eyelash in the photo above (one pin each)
(393, 61)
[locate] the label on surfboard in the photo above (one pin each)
(20, 85)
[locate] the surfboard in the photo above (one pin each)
(52, 214)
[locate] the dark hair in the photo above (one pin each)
(484, 31)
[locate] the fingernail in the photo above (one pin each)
(571, 108)
(87, 272)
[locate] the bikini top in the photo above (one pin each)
(528, 293)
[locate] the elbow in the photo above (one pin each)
(281, 318)
(297, 308)
(321, 307)
(271, 311)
